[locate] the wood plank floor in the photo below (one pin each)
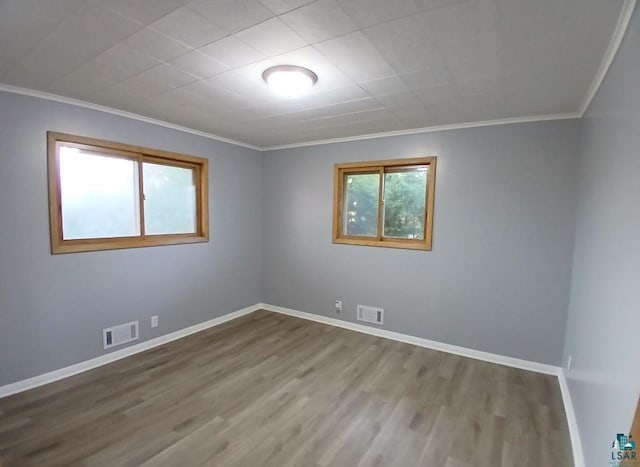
(268, 389)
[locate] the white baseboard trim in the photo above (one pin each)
(50, 377)
(557, 371)
(81, 367)
(576, 442)
(419, 341)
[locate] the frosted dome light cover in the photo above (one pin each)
(289, 80)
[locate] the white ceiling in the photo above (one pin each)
(383, 65)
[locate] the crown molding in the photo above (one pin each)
(121, 113)
(101, 108)
(612, 50)
(614, 44)
(430, 129)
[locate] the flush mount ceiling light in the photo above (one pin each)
(289, 80)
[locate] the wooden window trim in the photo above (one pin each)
(379, 166)
(135, 153)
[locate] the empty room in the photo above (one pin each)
(319, 233)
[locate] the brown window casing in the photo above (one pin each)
(382, 167)
(133, 153)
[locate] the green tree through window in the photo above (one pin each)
(404, 203)
(402, 217)
(361, 204)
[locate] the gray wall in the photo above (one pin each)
(498, 277)
(603, 332)
(53, 308)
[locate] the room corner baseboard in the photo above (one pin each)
(557, 371)
(576, 442)
(421, 342)
(50, 377)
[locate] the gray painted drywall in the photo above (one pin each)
(53, 307)
(603, 331)
(498, 277)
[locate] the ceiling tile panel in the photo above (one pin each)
(427, 78)
(320, 100)
(86, 80)
(246, 91)
(521, 20)
(344, 108)
(480, 86)
(95, 25)
(490, 66)
(254, 71)
(282, 6)
(271, 37)
(319, 21)
(467, 109)
(26, 23)
(431, 4)
(271, 114)
(370, 12)
(481, 46)
(234, 15)
(180, 99)
(189, 27)
(117, 96)
(378, 113)
(198, 64)
(144, 11)
(232, 52)
(408, 44)
(356, 57)
(82, 36)
(464, 19)
(156, 44)
(158, 80)
(24, 33)
(53, 10)
(127, 58)
(402, 102)
(434, 94)
(381, 65)
(207, 94)
(415, 121)
(329, 75)
(383, 86)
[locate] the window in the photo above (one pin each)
(105, 195)
(385, 203)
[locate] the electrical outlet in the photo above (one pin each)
(338, 306)
(569, 362)
(154, 321)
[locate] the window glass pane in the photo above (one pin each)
(404, 203)
(99, 195)
(361, 192)
(170, 199)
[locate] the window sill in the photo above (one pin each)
(77, 246)
(402, 244)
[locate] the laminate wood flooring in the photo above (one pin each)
(273, 390)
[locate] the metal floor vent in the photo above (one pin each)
(121, 334)
(370, 314)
